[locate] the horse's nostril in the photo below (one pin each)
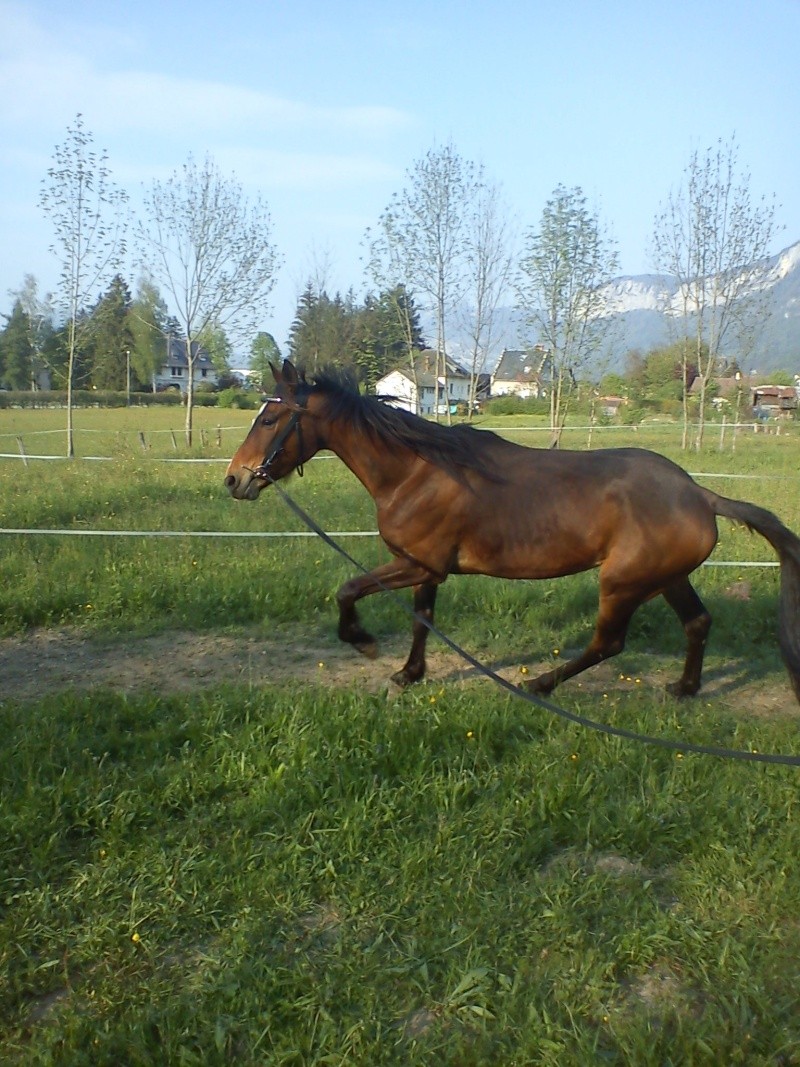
(230, 481)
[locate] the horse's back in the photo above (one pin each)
(558, 512)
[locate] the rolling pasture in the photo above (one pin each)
(291, 864)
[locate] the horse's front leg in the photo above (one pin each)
(397, 574)
(424, 602)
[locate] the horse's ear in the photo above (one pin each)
(276, 374)
(289, 373)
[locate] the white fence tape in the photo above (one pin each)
(187, 533)
(218, 459)
(275, 534)
(119, 459)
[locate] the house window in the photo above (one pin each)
(177, 372)
(204, 372)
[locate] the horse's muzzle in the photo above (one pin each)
(244, 486)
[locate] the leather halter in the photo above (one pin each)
(262, 470)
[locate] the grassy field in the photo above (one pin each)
(299, 873)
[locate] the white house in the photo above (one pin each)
(522, 373)
(175, 371)
(421, 391)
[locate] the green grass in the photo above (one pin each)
(298, 874)
(304, 876)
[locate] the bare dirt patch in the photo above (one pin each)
(48, 661)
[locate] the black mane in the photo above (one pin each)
(455, 448)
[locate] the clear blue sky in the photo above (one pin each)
(323, 107)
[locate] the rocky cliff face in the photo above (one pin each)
(649, 309)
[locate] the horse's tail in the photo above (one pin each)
(787, 545)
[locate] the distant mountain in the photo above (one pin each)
(646, 311)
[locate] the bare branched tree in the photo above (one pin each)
(387, 268)
(711, 236)
(88, 213)
(210, 251)
(420, 241)
(567, 261)
(488, 270)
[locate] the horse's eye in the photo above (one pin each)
(269, 420)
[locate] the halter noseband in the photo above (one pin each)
(262, 470)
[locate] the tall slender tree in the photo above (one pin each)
(711, 235)
(209, 248)
(488, 273)
(566, 262)
(88, 214)
(421, 238)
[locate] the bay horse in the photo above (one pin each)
(458, 500)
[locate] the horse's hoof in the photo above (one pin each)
(543, 685)
(367, 648)
(680, 691)
(404, 678)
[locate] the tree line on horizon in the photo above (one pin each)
(445, 246)
(124, 338)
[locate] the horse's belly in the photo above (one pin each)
(511, 557)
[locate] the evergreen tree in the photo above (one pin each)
(16, 350)
(384, 327)
(111, 340)
(149, 325)
(215, 342)
(40, 326)
(322, 331)
(263, 351)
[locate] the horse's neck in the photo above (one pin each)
(378, 467)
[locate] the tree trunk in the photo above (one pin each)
(189, 391)
(70, 376)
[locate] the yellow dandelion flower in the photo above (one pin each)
(135, 938)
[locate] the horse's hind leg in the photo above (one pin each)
(616, 609)
(424, 602)
(696, 621)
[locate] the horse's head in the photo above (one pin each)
(279, 440)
